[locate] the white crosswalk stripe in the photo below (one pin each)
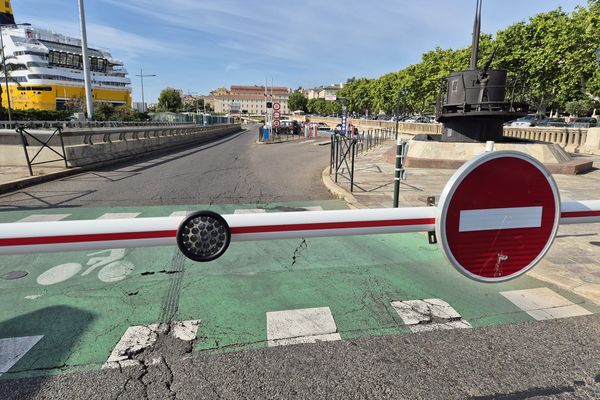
(543, 303)
(429, 315)
(139, 337)
(44, 217)
(179, 213)
(250, 211)
(119, 215)
(308, 325)
(14, 348)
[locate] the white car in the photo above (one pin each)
(529, 120)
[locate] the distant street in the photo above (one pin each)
(230, 170)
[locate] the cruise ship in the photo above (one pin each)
(45, 69)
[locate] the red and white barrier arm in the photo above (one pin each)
(579, 212)
(38, 237)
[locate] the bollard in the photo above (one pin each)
(400, 172)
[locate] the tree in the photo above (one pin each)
(170, 100)
(578, 107)
(297, 101)
(103, 111)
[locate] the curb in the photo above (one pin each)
(338, 192)
(35, 180)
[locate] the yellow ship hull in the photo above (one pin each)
(53, 97)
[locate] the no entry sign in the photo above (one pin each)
(498, 216)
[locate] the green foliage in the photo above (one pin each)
(578, 107)
(322, 106)
(36, 115)
(552, 54)
(108, 112)
(297, 101)
(170, 100)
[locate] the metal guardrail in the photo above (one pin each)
(85, 124)
(91, 137)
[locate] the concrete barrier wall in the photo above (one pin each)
(88, 146)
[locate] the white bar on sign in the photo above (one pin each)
(500, 218)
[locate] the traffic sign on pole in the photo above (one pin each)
(498, 216)
(276, 106)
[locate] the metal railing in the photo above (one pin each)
(344, 150)
(45, 144)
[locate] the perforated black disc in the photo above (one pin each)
(203, 236)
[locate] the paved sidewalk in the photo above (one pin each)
(572, 263)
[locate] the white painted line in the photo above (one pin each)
(33, 296)
(313, 208)
(44, 218)
(428, 315)
(179, 214)
(500, 218)
(543, 303)
(307, 325)
(185, 330)
(119, 215)
(13, 349)
(250, 211)
(139, 337)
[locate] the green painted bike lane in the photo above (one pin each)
(357, 277)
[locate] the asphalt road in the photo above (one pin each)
(549, 359)
(229, 170)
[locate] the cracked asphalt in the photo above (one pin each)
(506, 355)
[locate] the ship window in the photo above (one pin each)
(70, 60)
(63, 58)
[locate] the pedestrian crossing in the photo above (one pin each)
(311, 325)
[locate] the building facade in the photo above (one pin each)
(248, 100)
(323, 92)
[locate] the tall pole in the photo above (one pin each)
(141, 75)
(5, 76)
(142, 82)
(86, 63)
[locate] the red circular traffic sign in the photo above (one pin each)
(276, 106)
(498, 216)
(276, 123)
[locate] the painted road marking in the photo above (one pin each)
(308, 325)
(313, 208)
(118, 215)
(13, 349)
(139, 337)
(250, 211)
(543, 303)
(179, 214)
(429, 315)
(44, 217)
(500, 218)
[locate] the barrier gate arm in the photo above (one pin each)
(56, 236)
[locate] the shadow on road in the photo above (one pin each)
(41, 343)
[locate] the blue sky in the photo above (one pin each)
(199, 45)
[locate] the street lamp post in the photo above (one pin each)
(142, 76)
(86, 63)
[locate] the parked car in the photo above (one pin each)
(530, 120)
(556, 122)
(323, 126)
(584, 122)
(418, 119)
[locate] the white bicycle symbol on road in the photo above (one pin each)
(112, 268)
